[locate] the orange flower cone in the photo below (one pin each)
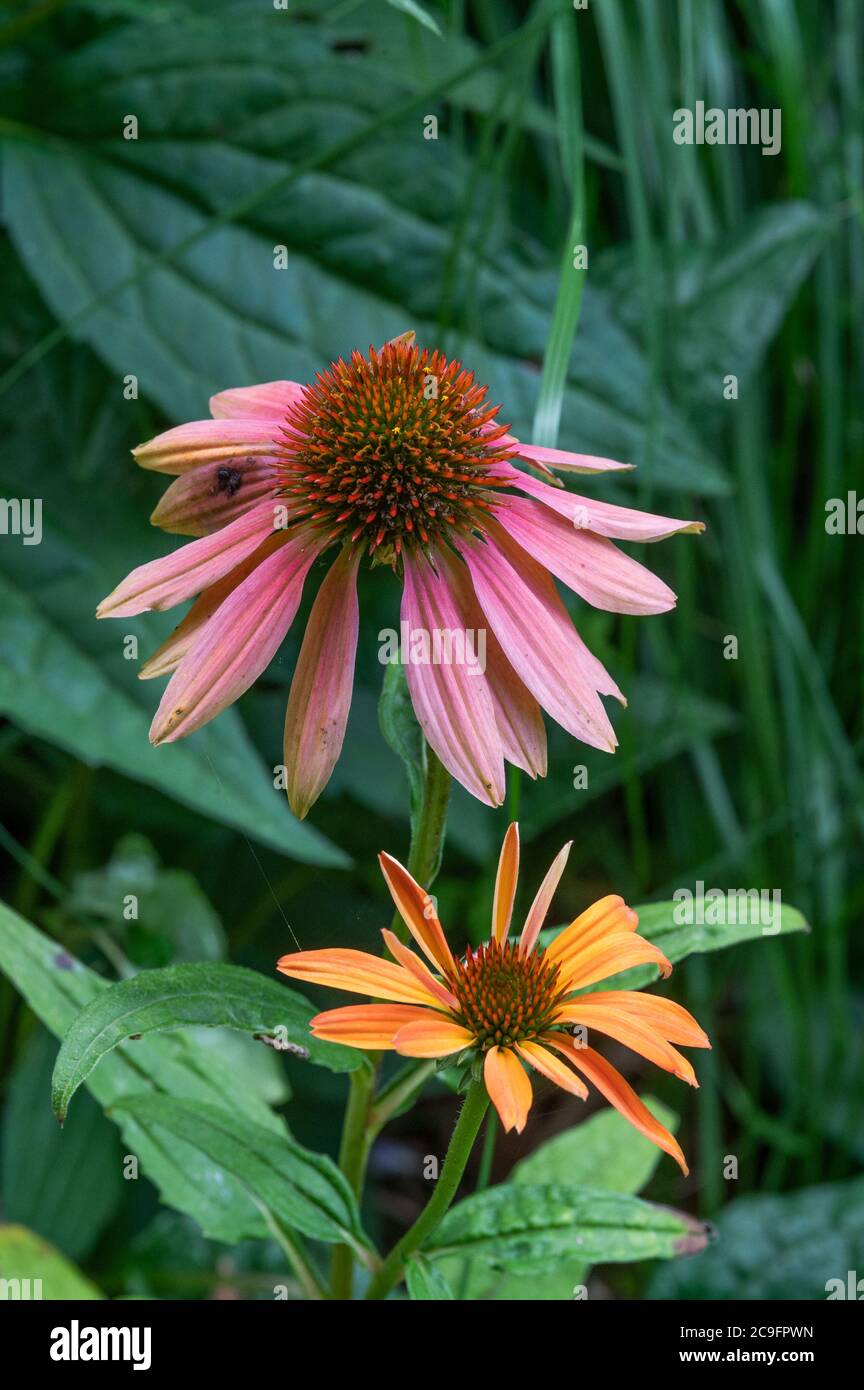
(515, 1005)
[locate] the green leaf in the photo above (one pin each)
(29, 1263)
(184, 996)
(66, 1184)
(789, 1246)
(403, 734)
(678, 940)
(302, 1190)
(417, 12)
(524, 1226)
(425, 1281)
(57, 987)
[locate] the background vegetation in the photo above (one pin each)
(153, 257)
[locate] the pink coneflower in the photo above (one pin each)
(395, 457)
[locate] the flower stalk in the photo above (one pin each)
(461, 1144)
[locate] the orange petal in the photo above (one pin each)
(417, 911)
(508, 1086)
(432, 1037)
(369, 1026)
(609, 955)
(358, 972)
(619, 1093)
(609, 914)
(418, 969)
(540, 906)
(666, 1017)
(549, 1066)
(505, 884)
(615, 1023)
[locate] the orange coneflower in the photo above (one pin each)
(510, 1004)
(396, 458)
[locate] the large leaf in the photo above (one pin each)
(603, 1151)
(790, 1246)
(369, 239)
(304, 1191)
(657, 922)
(184, 996)
(525, 1226)
(31, 1268)
(57, 987)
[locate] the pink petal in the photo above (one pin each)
(207, 441)
(564, 461)
(452, 702)
(534, 628)
(517, 714)
(604, 519)
(591, 565)
(208, 497)
(191, 568)
(238, 642)
(269, 401)
(172, 651)
(321, 689)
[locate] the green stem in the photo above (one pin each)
(352, 1160)
(467, 1128)
(484, 1173)
(427, 840)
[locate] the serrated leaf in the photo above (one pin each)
(303, 1190)
(57, 987)
(188, 996)
(523, 1227)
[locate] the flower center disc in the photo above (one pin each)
(505, 997)
(396, 448)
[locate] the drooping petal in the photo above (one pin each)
(540, 906)
(172, 651)
(603, 518)
(508, 1086)
(368, 1026)
(451, 698)
(539, 640)
(505, 884)
(606, 957)
(590, 565)
(190, 569)
(629, 1031)
(238, 642)
(518, 716)
(419, 969)
(432, 1037)
(357, 972)
(566, 462)
(549, 1066)
(665, 1016)
(618, 1092)
(206, 441)
(417, 911)
(206, 498)
(321, 689)
(270, 400)
(603, 918)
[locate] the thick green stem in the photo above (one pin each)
(352, 1160)
(467, 1128)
